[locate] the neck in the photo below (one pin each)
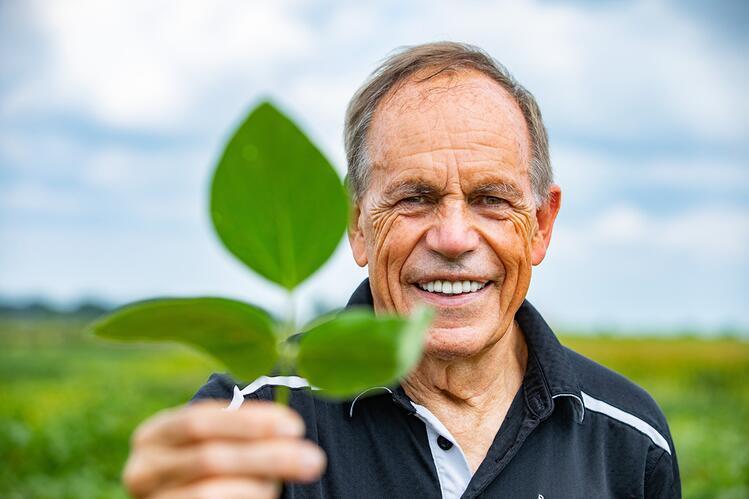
(475, 384)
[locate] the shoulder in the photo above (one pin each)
(602, 387)
(218, 386)
(624, 413)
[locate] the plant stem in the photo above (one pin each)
(282, 395)
(287, 352)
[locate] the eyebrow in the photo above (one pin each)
(409, 187)
(497, 189)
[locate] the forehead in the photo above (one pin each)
(457, 121)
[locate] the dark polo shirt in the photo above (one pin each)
(574, 430)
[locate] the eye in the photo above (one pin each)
(491, 201)
(415, 200)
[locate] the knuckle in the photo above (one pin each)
(210, 459)
(140, 435)
(274, 419)
(298, 459)
(294, 417)
(145, 431)
(192, 427)
(257, 409)
(137, 476)
(269, 490)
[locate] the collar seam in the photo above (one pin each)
(544, 383)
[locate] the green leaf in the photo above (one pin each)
(235, 333)
(357, 350)
(277, 204)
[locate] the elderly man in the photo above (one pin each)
(454, 203)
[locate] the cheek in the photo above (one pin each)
(510, 240)
(392, 237)
(523, 226)
(516, 235)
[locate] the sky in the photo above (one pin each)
(112, 115)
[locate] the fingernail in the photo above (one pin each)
(290, 428)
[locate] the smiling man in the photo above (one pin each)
(454, 204)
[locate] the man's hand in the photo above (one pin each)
(203, 451)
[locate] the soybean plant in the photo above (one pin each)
(278, 205)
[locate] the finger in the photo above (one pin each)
(208, 420)
(280, 459)
(225, 488)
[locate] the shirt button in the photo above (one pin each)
(444, 443)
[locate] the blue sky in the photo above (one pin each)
(112, 114)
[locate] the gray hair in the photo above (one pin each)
(440, 56)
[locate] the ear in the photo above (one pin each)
(356, 236)
(545, 216)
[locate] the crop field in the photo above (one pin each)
(68, 404)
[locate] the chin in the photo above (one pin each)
(450, 343)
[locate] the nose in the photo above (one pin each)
(453, 234)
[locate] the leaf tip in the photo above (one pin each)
(97, 327)
(266, 104)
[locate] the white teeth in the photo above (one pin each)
(452, 287)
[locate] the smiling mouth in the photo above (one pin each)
(452, 287)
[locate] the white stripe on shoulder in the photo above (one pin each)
(289, 381)
(596, 405)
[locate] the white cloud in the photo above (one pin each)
(150, 187)
(626, 71)
(41, 155)
(622, 71)
(54, 177)
(33, 198)
(708, 233)
(143, 64)
(118, 168)
(702, 234)
(586, 175)
(320, 99)
(620, 224)
(699, 173)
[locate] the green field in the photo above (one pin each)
(68, 404)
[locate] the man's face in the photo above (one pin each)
(450, 201)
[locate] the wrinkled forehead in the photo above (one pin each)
(463, 119)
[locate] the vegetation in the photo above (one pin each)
(68, 404)
(279, 207)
